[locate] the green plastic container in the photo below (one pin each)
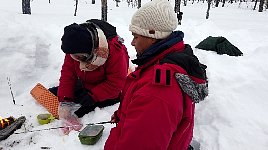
(45, 118)
(91, 134)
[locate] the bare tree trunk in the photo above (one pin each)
(177, 7)
(139, 3)
(223, 3)
(128, 2)
(209, 3)
(93, 2)
(26, 7)
(255, 5)
(104, 10)
(48, 1)
(117, 2)
(76, 3)
(185, 2)
(261, 5)
(266, 5)
(217, 3)
(177, 10)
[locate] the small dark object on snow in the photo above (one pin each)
(44, 147)
(5, 133)
(220, 45)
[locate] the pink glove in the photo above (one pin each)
(69, 120)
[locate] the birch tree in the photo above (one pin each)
(223, 2)
(209, 4)
(177, 7)
(184, 2)
(117, 3)
(217, 3)
(104, 10)
(254, 8)
(76, 4)
(177, 10)
(261, 5)
(139, 3)
(26, 7)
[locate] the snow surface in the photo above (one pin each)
(233, 116)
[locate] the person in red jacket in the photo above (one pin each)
(94, 70)
(156, 111)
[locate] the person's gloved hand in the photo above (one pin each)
(87, 102)
(69, 120)
(115, 118)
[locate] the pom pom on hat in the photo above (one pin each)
(77, 39)
(156, 19)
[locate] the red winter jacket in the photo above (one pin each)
(154, 114)
(105, 82)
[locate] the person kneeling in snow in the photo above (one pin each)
(93, 73)
(157, 104)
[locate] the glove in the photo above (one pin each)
(115, 118)
(69, 120)
(82, 97)
(87, 102)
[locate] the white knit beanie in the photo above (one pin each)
(155, 19)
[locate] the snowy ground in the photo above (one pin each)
(233, 117)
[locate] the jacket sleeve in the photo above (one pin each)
(68, 79)
(149, 124)
(116, 73)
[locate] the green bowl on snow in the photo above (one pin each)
(91, 134)
(45, 118)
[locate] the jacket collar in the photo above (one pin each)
(158, 48)
(177, 47)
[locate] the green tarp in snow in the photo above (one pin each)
(220, 45)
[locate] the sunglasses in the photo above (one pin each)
(82, 57)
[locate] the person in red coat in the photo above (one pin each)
(156, 111)
(94, 70)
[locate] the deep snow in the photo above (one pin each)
(233, 116)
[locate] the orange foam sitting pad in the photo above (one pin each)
(46, 99)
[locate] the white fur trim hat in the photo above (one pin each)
(155, 19)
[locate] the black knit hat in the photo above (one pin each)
(77, 39)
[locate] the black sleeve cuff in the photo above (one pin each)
(84, 110)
